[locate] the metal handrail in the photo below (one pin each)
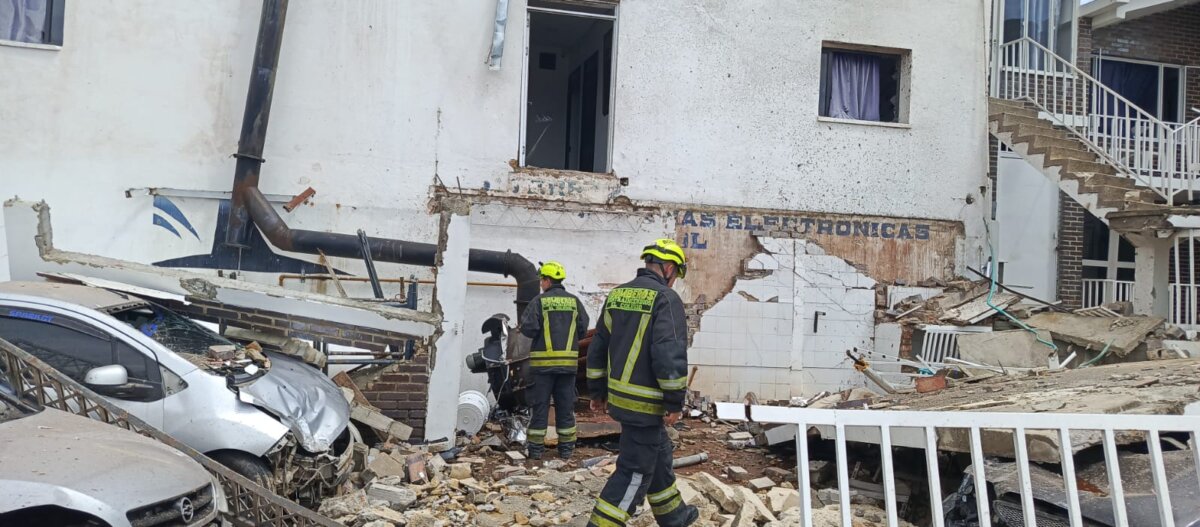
(1136, 143)
(932, 431)
(248, 503)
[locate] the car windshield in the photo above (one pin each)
(172, 330)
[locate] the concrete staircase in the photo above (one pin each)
(1067, 161)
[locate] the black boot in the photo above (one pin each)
(534, 451)
(691, 514)
(566, 450)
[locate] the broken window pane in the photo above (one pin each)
(172, 330)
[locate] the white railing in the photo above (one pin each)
(931, 424)
(1137, 144)
(941, 342)
(1185, 304)
(1098, 291)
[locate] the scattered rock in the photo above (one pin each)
(740, 436)
(717, 491)
(520, 519)
(460, 471)
(779, 474)
(738, 474)
(383, 514)
(398, 498)
(346, 505)
(513, 455)
(761, 484)
(780, 499)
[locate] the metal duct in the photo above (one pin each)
(250, 208)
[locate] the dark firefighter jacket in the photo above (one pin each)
(638, 357)
(555, 320)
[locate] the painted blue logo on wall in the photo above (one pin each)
(169, 208)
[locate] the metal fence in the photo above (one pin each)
(1100, 291)
(248, 503)
(928, 425)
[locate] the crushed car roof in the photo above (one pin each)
(91, 297)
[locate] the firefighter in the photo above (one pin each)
(637, 364)
(554, 320)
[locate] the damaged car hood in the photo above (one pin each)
(303, 399)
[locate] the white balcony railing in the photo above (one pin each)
(1097, 292)
(1138, 145)
(891, 426)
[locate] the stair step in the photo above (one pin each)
(1025, 131)
(1076, 166)
(1038, 143)
(1003, 105)
(1009, 120)
(1089, 179)
(1052, 153)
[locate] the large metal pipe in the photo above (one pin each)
(255, 117)
(280, 235)
(249, 207)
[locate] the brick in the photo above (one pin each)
(415, 468)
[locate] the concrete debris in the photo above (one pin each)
(715, 490)
(761, 484)
(1015, 348)
(780, 499)
(738, 474)
(1120, 335)
(398, 498)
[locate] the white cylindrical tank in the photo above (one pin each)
(473, 411)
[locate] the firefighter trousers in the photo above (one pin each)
(643, 470)
(561, 388)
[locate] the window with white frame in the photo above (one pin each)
(32, 21)
(1050, 23)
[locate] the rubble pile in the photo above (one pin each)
(427, 493)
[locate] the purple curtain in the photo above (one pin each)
(854, 86)
(23, 20)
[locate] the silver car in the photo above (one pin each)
(285, 425)
(60, 469)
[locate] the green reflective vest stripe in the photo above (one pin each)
(673, 384)
(551, 358)
(611, 510)
(636, 406)
(633, 389)
(636, 349)
(596, 373)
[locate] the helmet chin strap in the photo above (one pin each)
(663, 270)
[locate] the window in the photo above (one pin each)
(32, 21)
(1050, 23)
(66, 346)
(567, 119)
(862, 85)
(1151, 86)
(172, 330)
(74, 349)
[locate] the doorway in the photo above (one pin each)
(568, 95)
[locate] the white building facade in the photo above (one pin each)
(806, 154)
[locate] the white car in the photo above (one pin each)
(59, 469)
(156, 365)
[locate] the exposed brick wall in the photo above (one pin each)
(1172, 37)
(401, 391)
(1070, 251)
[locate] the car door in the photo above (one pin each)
(73, 347)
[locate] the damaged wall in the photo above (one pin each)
(714, 113)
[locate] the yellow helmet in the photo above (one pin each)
(553, 271)
(665, 249)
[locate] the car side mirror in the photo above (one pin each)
(109, 376)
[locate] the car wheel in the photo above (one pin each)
(247, 465)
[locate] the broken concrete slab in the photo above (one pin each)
(460, 471)
(384, 465)
(1121, 335)
(513, 455)
(724, 495)
(1016, 348)
(384, 425)
(761, 484)
(978, 309)
(751, 500)
(398, 498)
(740, 436)
(346, 505)
(779, 474)
(781, 499)
(738, 474)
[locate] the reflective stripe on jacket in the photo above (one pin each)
(555, 320)
(638, 358)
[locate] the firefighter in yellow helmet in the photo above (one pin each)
(637, 364)
(555, 320)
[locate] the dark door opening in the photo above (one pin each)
(568, 116)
